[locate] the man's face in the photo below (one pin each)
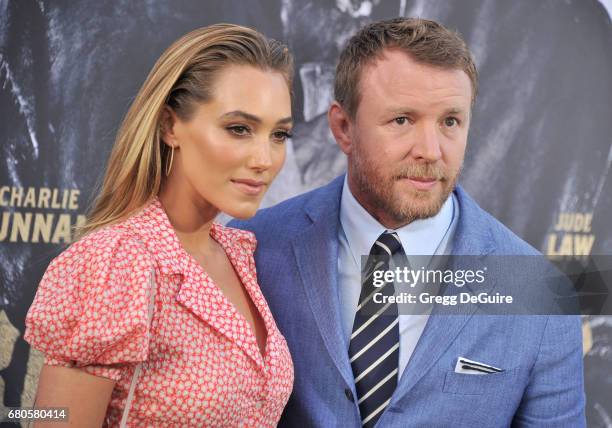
(408, 138)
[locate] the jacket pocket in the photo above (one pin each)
(472, 384)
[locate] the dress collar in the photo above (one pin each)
(154, 228)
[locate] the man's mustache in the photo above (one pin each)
(426, 170)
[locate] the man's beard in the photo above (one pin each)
(375, 186)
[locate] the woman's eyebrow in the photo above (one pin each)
(286, 120)
(253, 118)
(243, 115)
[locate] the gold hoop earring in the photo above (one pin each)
(169, 164)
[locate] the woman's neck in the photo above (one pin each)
(191, 217)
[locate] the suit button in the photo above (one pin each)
(349, 395)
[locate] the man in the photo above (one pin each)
(404, 90)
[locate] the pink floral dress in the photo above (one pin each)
(201, 365)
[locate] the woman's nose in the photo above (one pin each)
(261, 156)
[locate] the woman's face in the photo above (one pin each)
(233, 146)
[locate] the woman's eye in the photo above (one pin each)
(281, 136)
(451, 121)
(238, 130)
(402, 120)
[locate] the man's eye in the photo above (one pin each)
(238, 130)
(451, 121)
(402, 120)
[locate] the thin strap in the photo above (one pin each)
(130, 397)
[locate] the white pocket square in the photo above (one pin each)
(467, 366)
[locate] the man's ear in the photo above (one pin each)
(167, 127)
(341, 126)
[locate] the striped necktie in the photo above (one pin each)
(374, 345)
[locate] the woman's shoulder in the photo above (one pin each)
(112, 259)
(91, 306)
(104, 245)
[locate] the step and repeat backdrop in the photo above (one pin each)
(538, 159)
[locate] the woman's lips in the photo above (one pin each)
(249, 187)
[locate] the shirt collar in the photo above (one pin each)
(421, 237)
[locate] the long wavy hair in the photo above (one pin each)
(181, 78)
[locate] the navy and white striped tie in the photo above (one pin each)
(374, 345)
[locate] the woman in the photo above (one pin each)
(154, 317)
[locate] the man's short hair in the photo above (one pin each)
(425, 41)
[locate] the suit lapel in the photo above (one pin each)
(472, 237)
(316, 253)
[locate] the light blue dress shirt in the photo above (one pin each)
(358, 232)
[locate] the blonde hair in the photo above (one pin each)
(181, 78)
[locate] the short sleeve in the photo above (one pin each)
(91, 307)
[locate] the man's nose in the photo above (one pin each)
(427, 145)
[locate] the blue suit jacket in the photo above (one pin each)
(297, 256)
